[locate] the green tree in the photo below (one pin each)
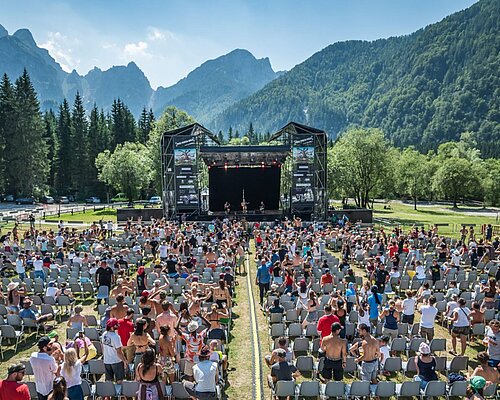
(27, 166)
(7, 127)
(128, 169)
(64, 156)
(357, 165)
(81, 165)
(454, 179)
(411, 175)
(50, 137)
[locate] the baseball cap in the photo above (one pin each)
(477, 382)
(16, 368)
(112, 323)
(43, 341)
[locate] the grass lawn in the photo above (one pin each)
(406, 216)
(87, 217)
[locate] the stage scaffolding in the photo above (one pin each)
(181, 151)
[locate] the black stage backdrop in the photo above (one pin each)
(260, 184)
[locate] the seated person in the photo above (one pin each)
(277, 307)
(29, 313)
(491, 374)
(282, 345)
(282, 370)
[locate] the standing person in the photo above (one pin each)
(167, 354)
(147, 373)
(21, 266)
(369, 356)
(206, 376)
(429, 312)
(461, 326)
(59, 389)
(44, 368)
(375, 303)
(409, 308)
(492, 340)
(325, 322)
(104, 276)
(391, 316)
(125, 329)
(263, 279)
(71, 370)
(115, 362)
(11, 388)
(335, 350)
(381, 277)
(425, 364)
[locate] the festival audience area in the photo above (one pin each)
(146, 311)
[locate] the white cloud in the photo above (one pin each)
(135, 49)
(157, 34)
(60, 47)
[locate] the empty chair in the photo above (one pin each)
(385, 389)
(300, 345)
(409, 366)
(350, 365)
(437, 344)
(277, 330)
(102, 293)
(8, 332)
(312, 330)
(360, 389)
(334, 389)
(32, 389)
(309, 389)
(398, 345)
(96, 367)
(458, 388)
(305, 364)
(457, 364)
(435, 389)
(105, 389)
(393, 364)
(92, 333)
(295, 330)
(408, 389)
(282, 389)
(478, 329)
(291, 316)
(275, 318)
(490, 390)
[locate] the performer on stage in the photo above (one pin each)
(244, 204)
(227, 207)
(262, 207)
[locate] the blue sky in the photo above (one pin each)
(167, 39)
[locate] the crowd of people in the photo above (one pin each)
(381, 298)
(164, 297)
(340, 301)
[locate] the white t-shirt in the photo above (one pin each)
(20, 269)
(463, 317)
(428, 316)
(38, 265)
(51, 291)
(111, 342)
(451, 307)
(420, 270)
(204, 374)
(163, 251)
(74, 377)
(385, 351)
(44, 369)
(59, 240)
(409, 306)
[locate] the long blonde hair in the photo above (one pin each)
(70, 359)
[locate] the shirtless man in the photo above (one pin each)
(121, 288)
(166, 318)
(369, 354)
(119, 310)
(211, 258)
(489, 373)
(335, 350)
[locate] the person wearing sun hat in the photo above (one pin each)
(14, 294)
(12, 388)
(425, 364)
(475, 388)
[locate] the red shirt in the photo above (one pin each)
(326, 278)
(12, 390)
(392, 250)
(325, 324)
(124, 330)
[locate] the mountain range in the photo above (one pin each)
(421, 89)
(208, 89)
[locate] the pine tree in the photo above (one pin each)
(27, 168)
(220, 136)
(64, 158)
(230, 133)
(143, 127)
(50, 136)
(79, 143)
(251, 134)
(7, 128)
